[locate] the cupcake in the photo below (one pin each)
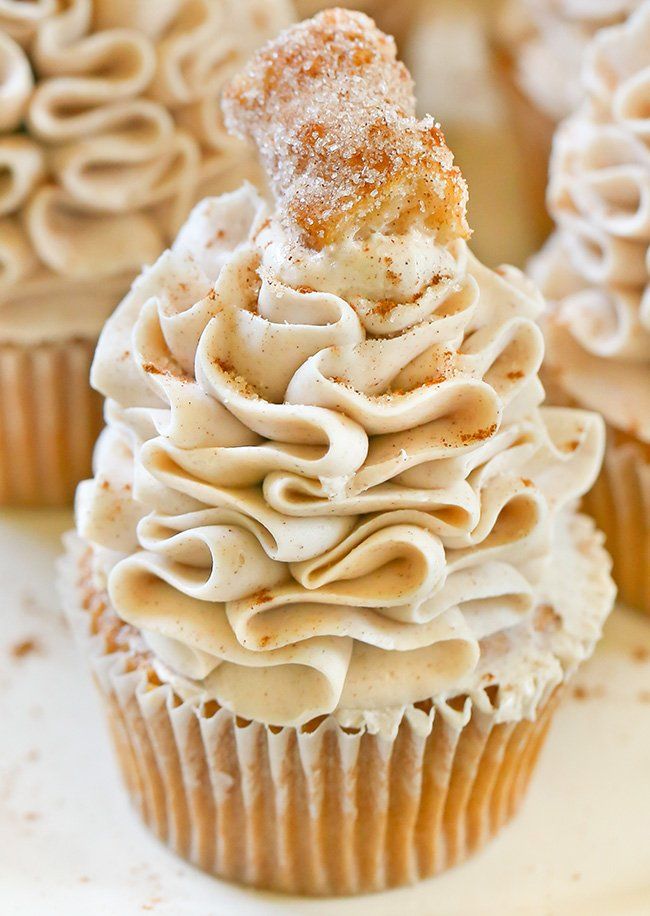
(328, 573)
(595, 271)
(109, 133)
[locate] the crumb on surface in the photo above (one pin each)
(583, 692)
(25, 647)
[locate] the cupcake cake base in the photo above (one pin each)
(323, 809)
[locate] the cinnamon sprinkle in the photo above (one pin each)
(243, 386)
(479, 435)
(264, 596)
(430, 380)
(581, 692)
(384, 307)
(174, 371)
(25, 647)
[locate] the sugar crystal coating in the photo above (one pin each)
(332, 113)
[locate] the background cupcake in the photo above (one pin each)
(328, 573)
(109, 131)
(595, 270)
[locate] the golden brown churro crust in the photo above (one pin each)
(332, 113)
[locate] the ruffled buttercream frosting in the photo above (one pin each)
(596, 268)
(327, 483)
(549, 38)
(308, 502)
(110, 130)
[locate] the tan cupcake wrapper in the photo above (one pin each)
(620, 505)
(49, 421)
(320, 810)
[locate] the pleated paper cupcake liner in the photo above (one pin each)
(320, 810)
(49, 421)
(620, 506)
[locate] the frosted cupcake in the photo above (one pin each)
(109, 133)
(328, 572)
(596, 272)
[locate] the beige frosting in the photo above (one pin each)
(327, 484)
(596, 268)
(311, 503)
(549, 38)
(110, 130)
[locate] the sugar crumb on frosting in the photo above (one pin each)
(332, 113)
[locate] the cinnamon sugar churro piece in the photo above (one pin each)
(332, 113)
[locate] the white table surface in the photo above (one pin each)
(70, 844)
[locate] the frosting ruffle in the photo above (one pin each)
(110, 130)
(596, 268)
(549, 39)
(309, 501)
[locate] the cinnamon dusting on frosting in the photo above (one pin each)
(173, 370)
(479, 435)
(243, 386)
(332, 113)
(263, 596)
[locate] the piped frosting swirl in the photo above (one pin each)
(318, 495)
